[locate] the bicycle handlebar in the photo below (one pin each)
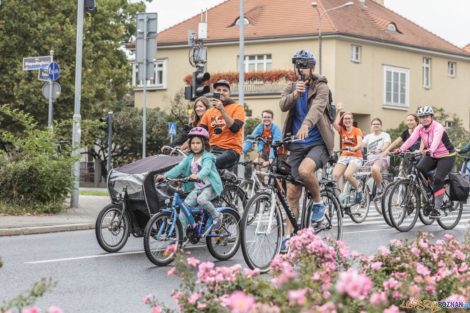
(248, 163)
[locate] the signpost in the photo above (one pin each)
(43, 74)
(171, 131)
(46, 90)
(35, 63)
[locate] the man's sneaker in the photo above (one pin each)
(358, 196)
(318, 212)
(217, 222)
(435, 214)
(284, 245)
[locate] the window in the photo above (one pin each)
(449, 124)
(451, 69)
(159, 78)
(396, 87)
(392, 28)
(427, 73)
(355, 53)
(257, 62)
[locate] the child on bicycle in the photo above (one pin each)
(199, 165)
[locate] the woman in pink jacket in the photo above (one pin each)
(439, 153)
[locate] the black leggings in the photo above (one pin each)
(443, 167)
(224, 158)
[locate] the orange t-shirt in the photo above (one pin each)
(226, 139)
(267, 135)
(349, 140)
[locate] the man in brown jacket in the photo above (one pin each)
(306, 101)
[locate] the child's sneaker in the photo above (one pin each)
(284, 245)
(358, 196)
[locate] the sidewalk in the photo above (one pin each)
(69, 219)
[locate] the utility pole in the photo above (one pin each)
(241, 73)
(76, 131)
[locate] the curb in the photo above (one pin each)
(45, 229)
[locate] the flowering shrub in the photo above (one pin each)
(323, 276)
(264, 76)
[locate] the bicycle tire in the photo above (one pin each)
(332, 213)
(385, 182)
(449, 206)
(360, 210)
(231, 222)
(401, 206)
(159, 222)
(424, 216)
(114, 229)
(252, 246)
(384, 202)
(247, 187)
(233, 197)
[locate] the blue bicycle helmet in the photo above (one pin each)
(304, 59)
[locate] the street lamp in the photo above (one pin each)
(315, 5)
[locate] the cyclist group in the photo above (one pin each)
(305, 101)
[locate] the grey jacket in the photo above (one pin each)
(316, 114)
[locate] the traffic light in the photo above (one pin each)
(106, 126)
(199, 84)
(90, 6)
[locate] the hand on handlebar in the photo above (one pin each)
(160, 177)
(302, 133)
(426, 152)
(194, 177)
(396, 151)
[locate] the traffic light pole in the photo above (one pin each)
(110, 140)
(241, 74)
(76, 131)
(144, 108)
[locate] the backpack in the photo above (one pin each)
(330, 109)
(459, 186)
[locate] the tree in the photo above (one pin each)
(458, 135)
(32, 28)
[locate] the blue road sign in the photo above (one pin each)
(53, 71)
(34, 63)
(43, 74)
(172, 129)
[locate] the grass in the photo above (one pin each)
(93, 193)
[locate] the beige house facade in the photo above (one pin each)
(374, 74)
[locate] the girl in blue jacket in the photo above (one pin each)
(200, 166)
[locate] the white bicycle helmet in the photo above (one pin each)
(426, 110)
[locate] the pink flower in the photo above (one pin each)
(415, 251)
(201, 306)
(378, 298)
(240, 302)
(250, 273)
(170, 249)
(54, 309)
(146, 299)
(297, 297)
(422, 270)
(33, 309)
(455, 298)
(397, 295)
(392, 309)
(171, 271)
(376, 265)
(448, 237)
(413, 290)
(193, 298)
(391, 284)
(396, 243)
(384, 250)
(157, 309)
(354, 284)
(193, 261)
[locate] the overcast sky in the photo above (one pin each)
(447, 19)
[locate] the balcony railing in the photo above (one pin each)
(258, 87)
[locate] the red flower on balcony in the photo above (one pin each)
(264, 76)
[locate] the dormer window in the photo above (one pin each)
(237, 22)
(392, 28)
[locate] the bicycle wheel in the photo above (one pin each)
(376, 201)
(384, 203)
(261, 239)
(225, 246)
(159, 234)
(451, 211)
(250, 187)
(112, 228)
(332, 225)
(360, 210)
(233, 197)
(403, 203)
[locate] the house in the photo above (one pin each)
(377, 62)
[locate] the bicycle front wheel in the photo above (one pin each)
(112, 228)
(332, 224)
(451, 212)
(233, 197)
(261, 232)
(159, 234)
(360, 210)
(384, 203)
(404, 203)
(226, 245)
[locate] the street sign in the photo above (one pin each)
(53, 70)
(43, 74)
(172, 129)
(34, 63)
(55, 90)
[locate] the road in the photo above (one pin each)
(90, 280)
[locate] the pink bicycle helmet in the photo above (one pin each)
(198, 131)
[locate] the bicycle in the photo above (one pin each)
(253, 184)
(406, 196)
(262, 227)
(165, 228)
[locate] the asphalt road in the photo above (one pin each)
(90, 280)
